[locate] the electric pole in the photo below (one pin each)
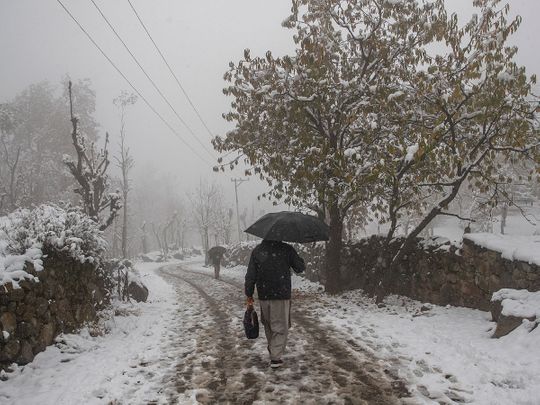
(237, 183)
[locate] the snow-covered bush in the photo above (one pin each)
(28, 235)
(238, 254)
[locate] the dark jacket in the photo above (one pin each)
(269, 269)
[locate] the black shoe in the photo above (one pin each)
(276, 363)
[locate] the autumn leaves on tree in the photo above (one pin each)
(389, 107)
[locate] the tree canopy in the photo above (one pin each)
(387, 105)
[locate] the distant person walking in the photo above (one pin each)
(215, 255)
(269, 271)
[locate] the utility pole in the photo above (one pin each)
(237, 183)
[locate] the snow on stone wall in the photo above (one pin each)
(68, 293)
(51, 278)
(26, 234)
(512, 247)
(436, 271)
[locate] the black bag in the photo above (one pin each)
(251, 323)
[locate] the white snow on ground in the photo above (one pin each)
(512, 247)
(444, 347)
(445, 354)
(122, 365)
(437, 350)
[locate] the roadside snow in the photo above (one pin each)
(445, 353)
(444, 349)
(122, 365)
(511, 247)
(518, 303)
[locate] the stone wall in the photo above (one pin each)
(238, 255)
(67, 295)
(440, 274)
(437, 273)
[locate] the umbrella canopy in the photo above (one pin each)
(217, 251)
(289, 226)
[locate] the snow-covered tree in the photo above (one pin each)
(204, 202)
(388, 104)
(459, 114)
(33, 143)
(309, 123)
(223, 220)
(90, 171)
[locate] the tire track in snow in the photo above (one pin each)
(322, 368)
(208, 371)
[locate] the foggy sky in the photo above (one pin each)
(38, 41)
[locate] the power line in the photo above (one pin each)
(130, 84)
(150, 79)
(171, 71)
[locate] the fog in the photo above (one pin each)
(39, 41)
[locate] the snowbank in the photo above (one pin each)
(26, 235)
(446, 354)
(518, 303)
(511, 247)
(125, 365)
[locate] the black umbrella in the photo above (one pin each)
(217, 251)
(289, 227)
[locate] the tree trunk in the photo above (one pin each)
(125, 228)
(114, 238)
(204, 236)
(144, 240)
(504, 215)
(333, 252)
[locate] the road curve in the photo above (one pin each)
(226, 368)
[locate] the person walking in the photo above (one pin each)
(215, 255)
(269, 271)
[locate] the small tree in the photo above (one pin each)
(9, 158)
(125, 163)
(90, 172)
(144, 238)
(179, 227)
(223, 221)
(204, 201)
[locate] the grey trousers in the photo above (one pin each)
(276, 318)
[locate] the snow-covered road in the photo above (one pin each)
(224, 367)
